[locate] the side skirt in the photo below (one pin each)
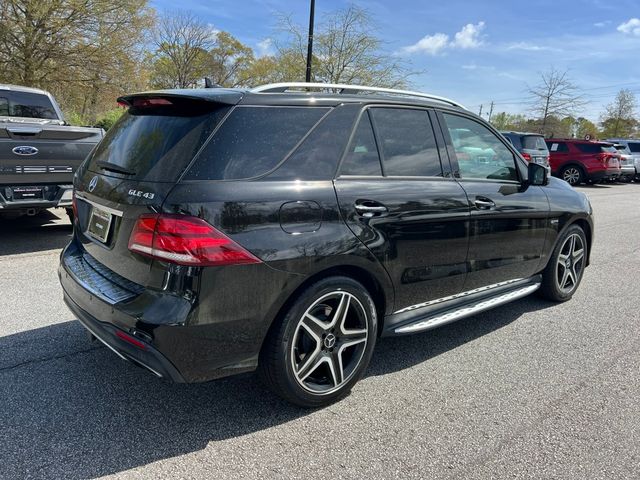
(450, 309)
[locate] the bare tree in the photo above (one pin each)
(555, 96)
(182, 44)
(346, 50)
(618, 117)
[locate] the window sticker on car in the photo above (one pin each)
(554, 147)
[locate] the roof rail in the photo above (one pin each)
(353, 89)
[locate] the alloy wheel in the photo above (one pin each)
(570, 263)
(571, 175)
(329, 342)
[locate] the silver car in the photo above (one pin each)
(632, 149)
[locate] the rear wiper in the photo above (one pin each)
(112, 167)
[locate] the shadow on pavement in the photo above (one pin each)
(44, 231)
(71, 409)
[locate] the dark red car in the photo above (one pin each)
(577, 161)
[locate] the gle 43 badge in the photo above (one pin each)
(141, 194)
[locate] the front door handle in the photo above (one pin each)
(483, 203)
(368, 209)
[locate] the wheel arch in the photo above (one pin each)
(382, 298)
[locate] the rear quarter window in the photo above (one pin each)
(252, 141)
(589, 147)
(634, 147)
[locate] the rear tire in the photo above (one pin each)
(322, 345)
(564, 272)
(573, 175)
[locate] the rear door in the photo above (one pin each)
(508, 218)
(396, 197)
(131, 173)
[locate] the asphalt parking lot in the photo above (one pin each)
(531, 389)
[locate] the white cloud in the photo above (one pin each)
(630, 27)
(529, 47)
(265, 47)
(430, 44)
(602, 24)
(469, 36)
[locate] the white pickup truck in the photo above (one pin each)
(39, 152)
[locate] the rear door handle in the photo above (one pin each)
(368, 209)
(483, 203)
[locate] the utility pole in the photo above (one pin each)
(310, 44)
(480, 112)
(491, 110)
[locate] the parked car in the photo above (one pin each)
(531, 146)
(633, 149)
(39, 152)
(627, 163)
(222, 230)
(578, 161)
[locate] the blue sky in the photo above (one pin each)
(474, 52)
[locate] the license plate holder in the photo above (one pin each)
(27, 193)
(99, 224)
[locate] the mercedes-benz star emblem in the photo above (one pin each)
(93, 183)
(330, 340)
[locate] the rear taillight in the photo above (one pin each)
(526, 156)
(185, 240)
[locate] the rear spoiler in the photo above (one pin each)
(226, 96)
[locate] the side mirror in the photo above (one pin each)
(538, 174)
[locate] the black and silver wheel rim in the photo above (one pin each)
(570, 263)
(329, 342)
(571, 175)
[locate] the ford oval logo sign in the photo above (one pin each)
(25, 150)
(93, 183)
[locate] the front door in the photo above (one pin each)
(394, 195)
(508, 218)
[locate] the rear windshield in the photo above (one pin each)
(634, 147)
(26, 104)
(621, 148)
(252, 141)
(155, 140)
(609, 149)
(533, 142)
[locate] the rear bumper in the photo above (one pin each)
(144, 355)
(183, 340)
(52, 196)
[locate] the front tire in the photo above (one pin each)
(322, 345)
(563, 274)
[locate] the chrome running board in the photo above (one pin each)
(466, 311)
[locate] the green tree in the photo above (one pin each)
(85, 51)
(345, 50)
(230, 61)
(618, 119)
(555, 97)
(181, 58)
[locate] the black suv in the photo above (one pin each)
(219, 231)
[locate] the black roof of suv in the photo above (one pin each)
(219, 231)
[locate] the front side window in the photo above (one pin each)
(634, 147)
(480, 153)
(407, 141)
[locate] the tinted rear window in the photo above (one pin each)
(590, 147)
(252, 141)
(157, 142)
(533, 142)
(634, 147)
(26, 104)
(407, 142)
(362, 155)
